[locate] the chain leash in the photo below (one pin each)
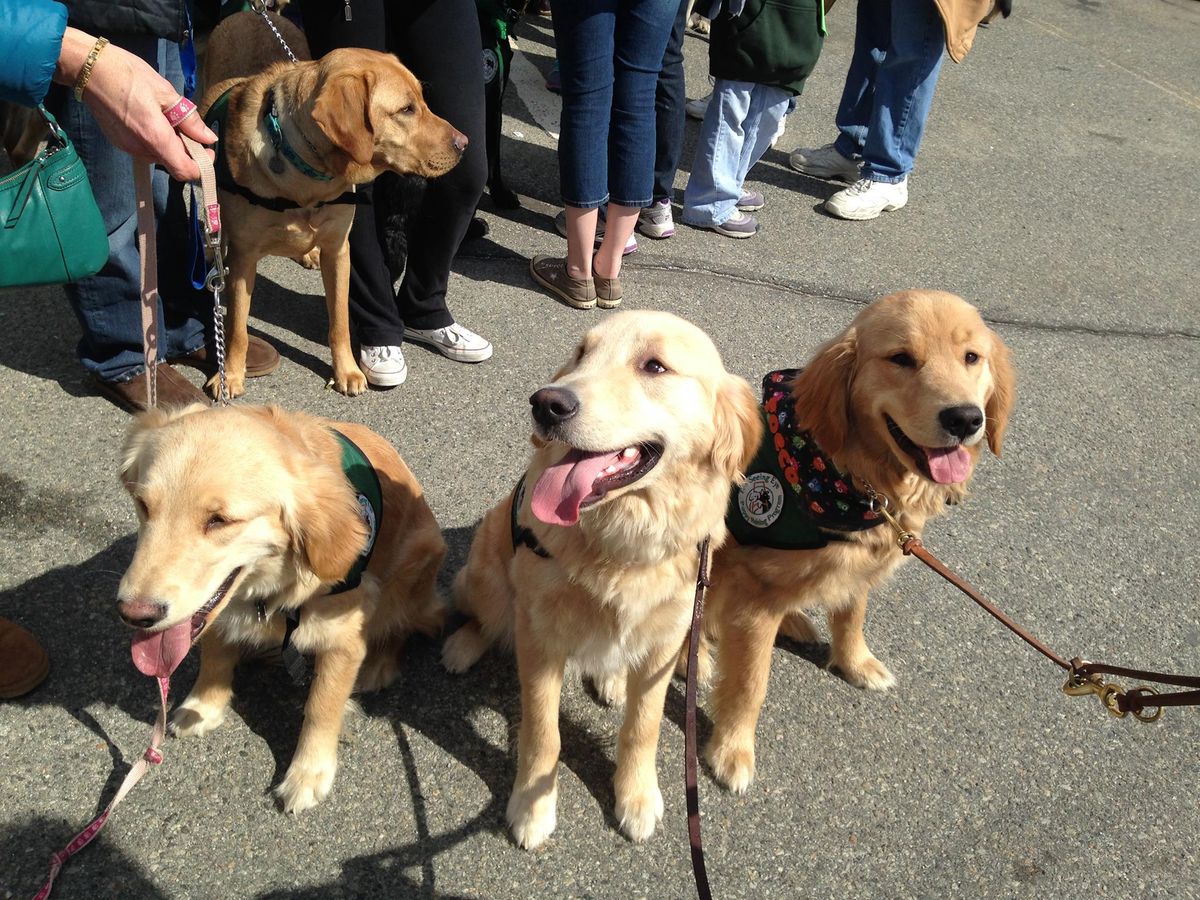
(260, 7)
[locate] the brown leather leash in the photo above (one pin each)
(1083, 676)
(689, 731)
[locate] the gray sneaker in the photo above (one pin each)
(824, 162)
(655, 221)
(739, 225)
(751, 201)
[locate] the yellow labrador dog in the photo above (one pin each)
(255, 523)
(295, 139)
(903, 400)
(593, 557)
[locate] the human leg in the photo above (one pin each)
(714, 187)
(904, 88)
(871, 34)
(641, 33)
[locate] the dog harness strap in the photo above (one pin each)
(794, 497)
(365, 482)
(522, 536)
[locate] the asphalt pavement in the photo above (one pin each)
(1057, 190)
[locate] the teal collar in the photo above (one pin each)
(281, 145)
(367, 491)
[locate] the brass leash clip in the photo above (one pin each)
(880, 504)
(1110, 694)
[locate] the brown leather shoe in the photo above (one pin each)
(261, 359)
(173, 390)
(23, 663)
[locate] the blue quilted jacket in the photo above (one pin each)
(31, 33)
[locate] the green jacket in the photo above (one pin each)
(773, 42)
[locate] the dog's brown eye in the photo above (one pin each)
(971, 358)
(215, 521)
(410, 109)
(654, 367)
(903, 360)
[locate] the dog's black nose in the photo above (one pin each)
(553, 406)
(961, 421)
(142, 613)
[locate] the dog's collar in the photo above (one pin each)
(214, 118)
(522, 536)
(794, 497)
(280, 142)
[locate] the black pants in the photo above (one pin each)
(439, 41)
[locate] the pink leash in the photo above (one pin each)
(145, 214)
(152, 757)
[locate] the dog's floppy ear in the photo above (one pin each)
(739, 427)
(138, 437)
(342, 111)
(322, 518)
(822, 392)
(1004, 394)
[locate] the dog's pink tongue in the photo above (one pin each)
(948, 465)
(159, 653)
(566, 484)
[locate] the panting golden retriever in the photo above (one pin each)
(304, 134)
(252, 521)
(901, 401)
(638, 439)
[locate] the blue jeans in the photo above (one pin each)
(669, 100)
(609, 55)
(898, 49)
(108, 304)
(741, 120)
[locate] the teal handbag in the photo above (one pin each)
(50, 228)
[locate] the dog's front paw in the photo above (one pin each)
(311, 259)
(463, 648)
(640, 813)
(532, 816)
(236, 384)
(610, 688)
(378, 670)
(351, 382)
(193, 718)
(865, 672)
(306, 784)
(732, 763)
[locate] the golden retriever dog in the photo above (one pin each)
(903, 400)
(306, 133)
(248, 518)
(638, 440)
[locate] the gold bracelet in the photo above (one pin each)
(85, 74)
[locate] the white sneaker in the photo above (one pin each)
(383, 366)
(866, 199)
(823, 162)
(656, 220)
(696, 109)
(457, 342)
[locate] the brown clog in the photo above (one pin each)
(23, 663)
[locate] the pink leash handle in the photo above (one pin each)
(152, 757)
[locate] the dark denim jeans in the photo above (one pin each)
(609, 55)
(108, 304)
(670, 116)
(898, 50)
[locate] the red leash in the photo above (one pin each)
(152, 757)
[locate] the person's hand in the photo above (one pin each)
(129, 100)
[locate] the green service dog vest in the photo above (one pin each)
(794, 497)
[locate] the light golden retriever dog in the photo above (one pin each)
(903, 400)
(246, 515)
(637, 441)
(348, 117)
